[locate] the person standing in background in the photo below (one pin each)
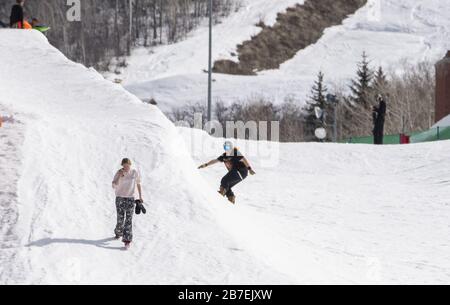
(379, 115)
(16, 20)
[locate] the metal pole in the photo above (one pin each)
(335, 123)
(210, 62)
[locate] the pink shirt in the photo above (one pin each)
(125, 186)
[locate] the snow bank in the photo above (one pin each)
(78, 127)
(319, 214)
(330, 213)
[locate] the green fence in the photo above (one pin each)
(435, 134)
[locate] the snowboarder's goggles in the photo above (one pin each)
(227, 147)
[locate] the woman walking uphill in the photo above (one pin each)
(125, 183)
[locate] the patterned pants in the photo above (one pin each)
(125, 211)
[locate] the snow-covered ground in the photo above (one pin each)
(313, 213)
(76, 128)
(390, 31)
(342, 213)
(11, 140)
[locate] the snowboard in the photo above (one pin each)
(42, 29)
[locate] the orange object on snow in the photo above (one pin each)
(27, 25)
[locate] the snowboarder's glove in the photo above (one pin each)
(251, 171)
(203, 166)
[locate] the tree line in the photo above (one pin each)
(410, 97)
(410, 105)
(104, 29)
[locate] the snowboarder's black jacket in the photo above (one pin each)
(16, 15)
(235, 160)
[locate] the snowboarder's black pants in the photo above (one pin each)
(125, 211)
(231, 179)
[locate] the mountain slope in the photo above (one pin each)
(389, 31)
(295, 29)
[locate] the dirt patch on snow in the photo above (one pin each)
(297, 28)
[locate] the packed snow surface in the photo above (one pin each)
(314, 213)
(58, 211)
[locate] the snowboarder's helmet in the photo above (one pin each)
(228, 146)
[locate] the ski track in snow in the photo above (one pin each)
(390, 31)
(11, 139)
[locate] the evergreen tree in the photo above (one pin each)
(318, 92)
(361, 87)
(380, 82)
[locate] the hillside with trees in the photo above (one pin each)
(104, 30)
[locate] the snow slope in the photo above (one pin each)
(312, 214)
(187, 56)
(75, 129)
(390, 31)
(343, 213)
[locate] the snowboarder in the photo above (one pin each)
(125, 183)
(379, 114)
(16, 20)
(238, 169)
